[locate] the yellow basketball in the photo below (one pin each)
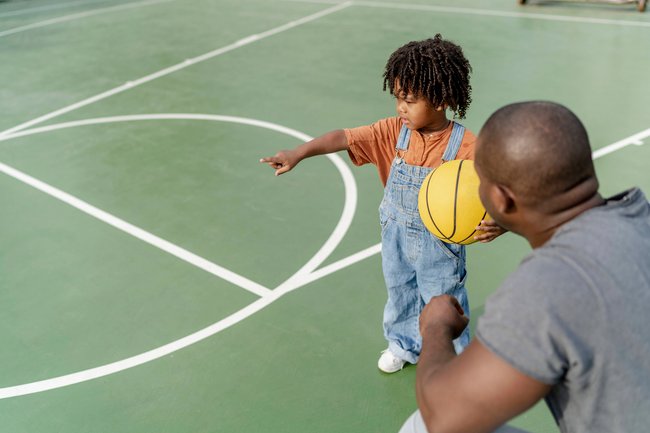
(449, 203)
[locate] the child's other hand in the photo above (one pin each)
(490, 230)
(283, 161)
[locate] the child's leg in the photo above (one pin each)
(441, 270)
(402, 310)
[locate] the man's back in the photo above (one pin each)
(574, 315)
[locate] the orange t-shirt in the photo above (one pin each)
(376, 144)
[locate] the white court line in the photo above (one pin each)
(303, 274)
(233, 319)
(503, 14)
(324, 252)
(134, 361)
(484, 12)
(49, 7)
(79, 15)
(339, 265)
(634, 139)
(136, 232)
(105, 370)
(131, 84)
(297, 280)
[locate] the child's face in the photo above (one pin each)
(416, 112)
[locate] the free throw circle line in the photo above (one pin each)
(295, 281)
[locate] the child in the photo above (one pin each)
(426, 78)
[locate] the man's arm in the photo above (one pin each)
(474, 392)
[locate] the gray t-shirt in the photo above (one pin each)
(576, 315)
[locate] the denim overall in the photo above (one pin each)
(416, 264)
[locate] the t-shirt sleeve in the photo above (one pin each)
(373, 143)
(466, 150)
(540, 320)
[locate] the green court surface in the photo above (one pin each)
(155, 277)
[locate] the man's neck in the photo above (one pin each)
(550, 223)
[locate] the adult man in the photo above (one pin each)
(569, 325)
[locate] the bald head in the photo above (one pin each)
(539, 150)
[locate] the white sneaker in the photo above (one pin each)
(389, 363)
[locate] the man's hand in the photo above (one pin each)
(475, 391)
(490, 230)
(443, 316)
(283, 161)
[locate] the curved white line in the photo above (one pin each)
(114, 367)
(294, 282)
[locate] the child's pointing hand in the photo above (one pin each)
(283, 161)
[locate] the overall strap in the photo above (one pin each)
(454, 142)
(403, 139)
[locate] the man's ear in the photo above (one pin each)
(504, 199)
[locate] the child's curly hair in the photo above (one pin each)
(435, 69)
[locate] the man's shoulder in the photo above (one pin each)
(543, 271)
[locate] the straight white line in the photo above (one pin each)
(47, 8)
(131, 84)
(634, 139)
(79, 15)
(503, 14)
(319, 2)
(137, 232)
(337, 266)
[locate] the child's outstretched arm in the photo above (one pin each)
(286, 160)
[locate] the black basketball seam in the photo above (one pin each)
(429, 209)
(460, 167)
(472, 234)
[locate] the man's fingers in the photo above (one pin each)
(463, 317)
(457, 305)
